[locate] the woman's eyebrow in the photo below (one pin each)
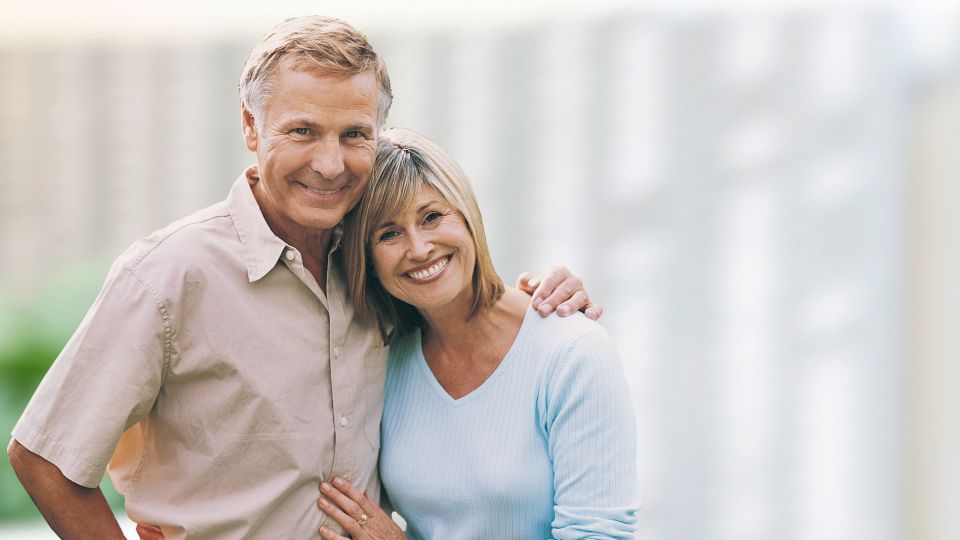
(427, 205)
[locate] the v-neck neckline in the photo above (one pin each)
(489, 381)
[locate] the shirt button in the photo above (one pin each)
(291, 255)
(336, 352)
(343, 420)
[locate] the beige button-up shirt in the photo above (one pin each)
(218, 380)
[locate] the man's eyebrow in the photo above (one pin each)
(299, 121)
(359, 127)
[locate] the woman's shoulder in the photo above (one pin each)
(563, 347)
(581, 368)
(564, 333)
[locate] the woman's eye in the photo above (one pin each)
(432, 217)
(387, 235)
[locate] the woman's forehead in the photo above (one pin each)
(414, 200)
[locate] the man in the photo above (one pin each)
(220, 371)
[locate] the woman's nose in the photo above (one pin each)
(420, 245)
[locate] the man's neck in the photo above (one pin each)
(314, 249)
(313, 244)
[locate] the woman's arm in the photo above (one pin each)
(591, 431)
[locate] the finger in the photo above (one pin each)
(366, 504)
(554, 277)
(561, 293)
(329, 534)
(149, 532)
(342, 500)
(576, 303)
(346, 521)
(527, 282)
(377, 523)
(594, 311)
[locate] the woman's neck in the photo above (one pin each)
(462, 353)
(454, 335)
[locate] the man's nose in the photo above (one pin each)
(328, 159)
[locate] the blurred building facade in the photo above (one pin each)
(756, 199)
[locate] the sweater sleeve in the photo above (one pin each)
(591, 434)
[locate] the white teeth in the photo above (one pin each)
(322, 192)
(429, 272)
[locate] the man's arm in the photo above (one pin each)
(72, 510)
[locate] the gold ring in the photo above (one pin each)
(362, 520)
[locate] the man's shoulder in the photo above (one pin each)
(186, 241)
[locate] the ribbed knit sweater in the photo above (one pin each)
(544, 448)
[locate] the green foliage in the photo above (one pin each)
(31, 336)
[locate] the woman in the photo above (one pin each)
(497, 423)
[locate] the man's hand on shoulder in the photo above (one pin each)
(559, 291)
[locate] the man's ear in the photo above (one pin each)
(249, 129)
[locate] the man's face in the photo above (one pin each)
(315, 146)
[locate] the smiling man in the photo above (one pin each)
(221, 373)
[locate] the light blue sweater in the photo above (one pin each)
(544, 448)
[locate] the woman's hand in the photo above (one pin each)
(356, 512)
(560, 290)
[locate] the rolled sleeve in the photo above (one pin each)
(592, 442)
(105, 380)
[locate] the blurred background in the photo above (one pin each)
(765, 200)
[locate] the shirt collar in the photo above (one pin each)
(261, 247)
(335, 240)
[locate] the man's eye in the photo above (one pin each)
(301, 131)
(353, 134)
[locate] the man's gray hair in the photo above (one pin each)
(323, 44)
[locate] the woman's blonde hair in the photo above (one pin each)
(406, 161)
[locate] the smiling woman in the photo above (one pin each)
(497, 423)
(420, 196)
(425, 256)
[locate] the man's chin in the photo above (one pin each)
(322, 223)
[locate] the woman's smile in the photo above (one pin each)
(425, 256)
(428, 272)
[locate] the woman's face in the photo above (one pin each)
(425, 256)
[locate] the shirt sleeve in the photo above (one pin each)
(592, 442)
(105, 380)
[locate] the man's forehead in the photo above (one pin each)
(306, 92)
(306, 66)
